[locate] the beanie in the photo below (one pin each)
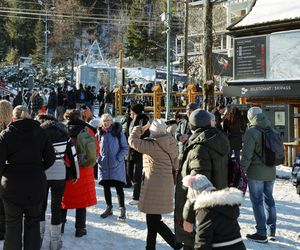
(191, 106)
(252, 112)
(138, 108)
(196, 185)
(200, 118)
(158, 127)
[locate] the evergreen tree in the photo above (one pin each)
(142, 41)
(19, 30)
(39, 50)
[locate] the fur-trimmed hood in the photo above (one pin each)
(224, 197)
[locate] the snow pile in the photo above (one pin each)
(109, 234)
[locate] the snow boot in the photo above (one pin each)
(42, 231)
(107, 212)
(80, 232)
(55, 237)
(122, 216)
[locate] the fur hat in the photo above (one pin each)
(252, 112)
(200, 118)
(158, 127)
(138, 108)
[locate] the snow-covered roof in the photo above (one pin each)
(266, 11)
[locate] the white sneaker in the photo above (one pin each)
(133, 202)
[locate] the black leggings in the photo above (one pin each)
(156, 225)
(120, 194)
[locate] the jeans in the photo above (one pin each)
(51, 111)
(57, 191)
(263, 204)
(14, 226)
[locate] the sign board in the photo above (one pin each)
(250, 58)
(284, 89)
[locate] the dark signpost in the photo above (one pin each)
(250, 58)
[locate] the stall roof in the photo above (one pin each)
(267, 12)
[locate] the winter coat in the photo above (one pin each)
(82, 193)
(52, 101)
(217, 220)
(234, 134)
(183, 128)
(251, 162)
(36, 102)
(157, 182)
(18, 100)
(206, 154)
(111, 160)
(71, 100)
(140, 119)
(64, 150)
(26, 152)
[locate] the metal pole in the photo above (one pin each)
(46, 36)
(169, 83)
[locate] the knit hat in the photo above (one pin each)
(252, 112)
(192, 106)
(158, 127)
(200, 118)
(197, 184)
(138, 108)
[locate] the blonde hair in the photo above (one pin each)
(21, 112)
(6, 110)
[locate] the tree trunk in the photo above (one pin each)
(208, 76)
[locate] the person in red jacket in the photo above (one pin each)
(81, 194)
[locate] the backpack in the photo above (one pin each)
(236, 176)
(86, 148)
(296, 173)
(272, 147)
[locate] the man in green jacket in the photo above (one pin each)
(260, 178)
(206, 154)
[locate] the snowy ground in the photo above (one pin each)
(109, 234)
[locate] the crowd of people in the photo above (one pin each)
(46, 142)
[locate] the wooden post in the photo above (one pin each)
(157, 93)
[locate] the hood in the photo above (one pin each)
(25, 129)
(56, 130)
(260, 120)
(74, 127)
(115, 129)
(224, 197)
(212, 138)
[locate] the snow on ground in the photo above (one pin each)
(109, 234)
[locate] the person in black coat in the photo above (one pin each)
(18, 100)
(26, 152)
(217, 214)
(52, 102)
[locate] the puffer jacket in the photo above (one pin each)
(217, 224)
(157, 186)
(64, 150)
(82, 193)
(206, 154)
(26, 152)
(251, 162)
(113, 148)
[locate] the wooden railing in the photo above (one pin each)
(154, 102)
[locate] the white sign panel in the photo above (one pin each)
(284, 55)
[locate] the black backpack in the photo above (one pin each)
(272, 147)
(296, 173)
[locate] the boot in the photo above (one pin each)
(42, 231)
(122, 216)
(107, 212)
(80, 232)
(55, 237)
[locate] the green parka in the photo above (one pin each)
(207, 154)
(251, 162)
